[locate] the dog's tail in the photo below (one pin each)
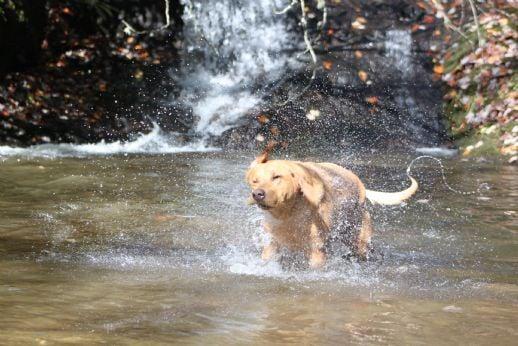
(392, 198)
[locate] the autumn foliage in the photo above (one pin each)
(478, 65)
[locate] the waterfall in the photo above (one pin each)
(398, 44)
(418, 121)
(232, 50)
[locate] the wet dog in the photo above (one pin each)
(309, 204)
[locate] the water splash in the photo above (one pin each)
(154, 142)
(233, 49)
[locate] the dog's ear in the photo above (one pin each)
(310, 185)
(263, 157)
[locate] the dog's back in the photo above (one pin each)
(346, 194)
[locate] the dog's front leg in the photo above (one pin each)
(317, 256)
(269, 250)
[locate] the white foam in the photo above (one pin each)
(154, 142)
(437, 151)
(220, 112)
(241, 262)
(398, 45)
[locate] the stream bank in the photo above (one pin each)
(376, 80)
(477, 63)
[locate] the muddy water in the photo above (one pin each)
(158, 249)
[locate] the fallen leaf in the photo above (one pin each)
(422, 5)
(467, 151)
(428, 19)
(263, 119)
(313, 114)
(359, 23)
(417, 27)
(439, 69)
(328, 65)
(363, 75)
(372, 100)
(139, 74)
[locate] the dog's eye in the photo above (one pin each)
(276, 177)
(255, 181)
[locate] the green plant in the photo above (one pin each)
(12, 6)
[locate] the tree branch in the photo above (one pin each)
(447, 21)
(475, 17)
(130, 30)
(287, 8)
(304, 23)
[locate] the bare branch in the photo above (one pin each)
(293, 98)
(287, 8)
(130, 30)
(475, 17)
(307, 41)
(321, 5)
(167, 15)
(304, 23)
(447, 21)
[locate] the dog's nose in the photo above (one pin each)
(258, 194)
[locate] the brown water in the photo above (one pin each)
(160, 249)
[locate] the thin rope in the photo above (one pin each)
(481, 186)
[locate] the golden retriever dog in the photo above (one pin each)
(309, 204)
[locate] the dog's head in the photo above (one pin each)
(278, 183)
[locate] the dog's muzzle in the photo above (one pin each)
(258, 195)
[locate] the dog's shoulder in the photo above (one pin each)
(339, 180)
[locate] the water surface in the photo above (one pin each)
(155, 249)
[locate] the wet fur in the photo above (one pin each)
(308, 204)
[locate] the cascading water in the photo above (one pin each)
(398, 44)
(232, 50)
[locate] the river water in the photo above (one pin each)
(132, 248)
